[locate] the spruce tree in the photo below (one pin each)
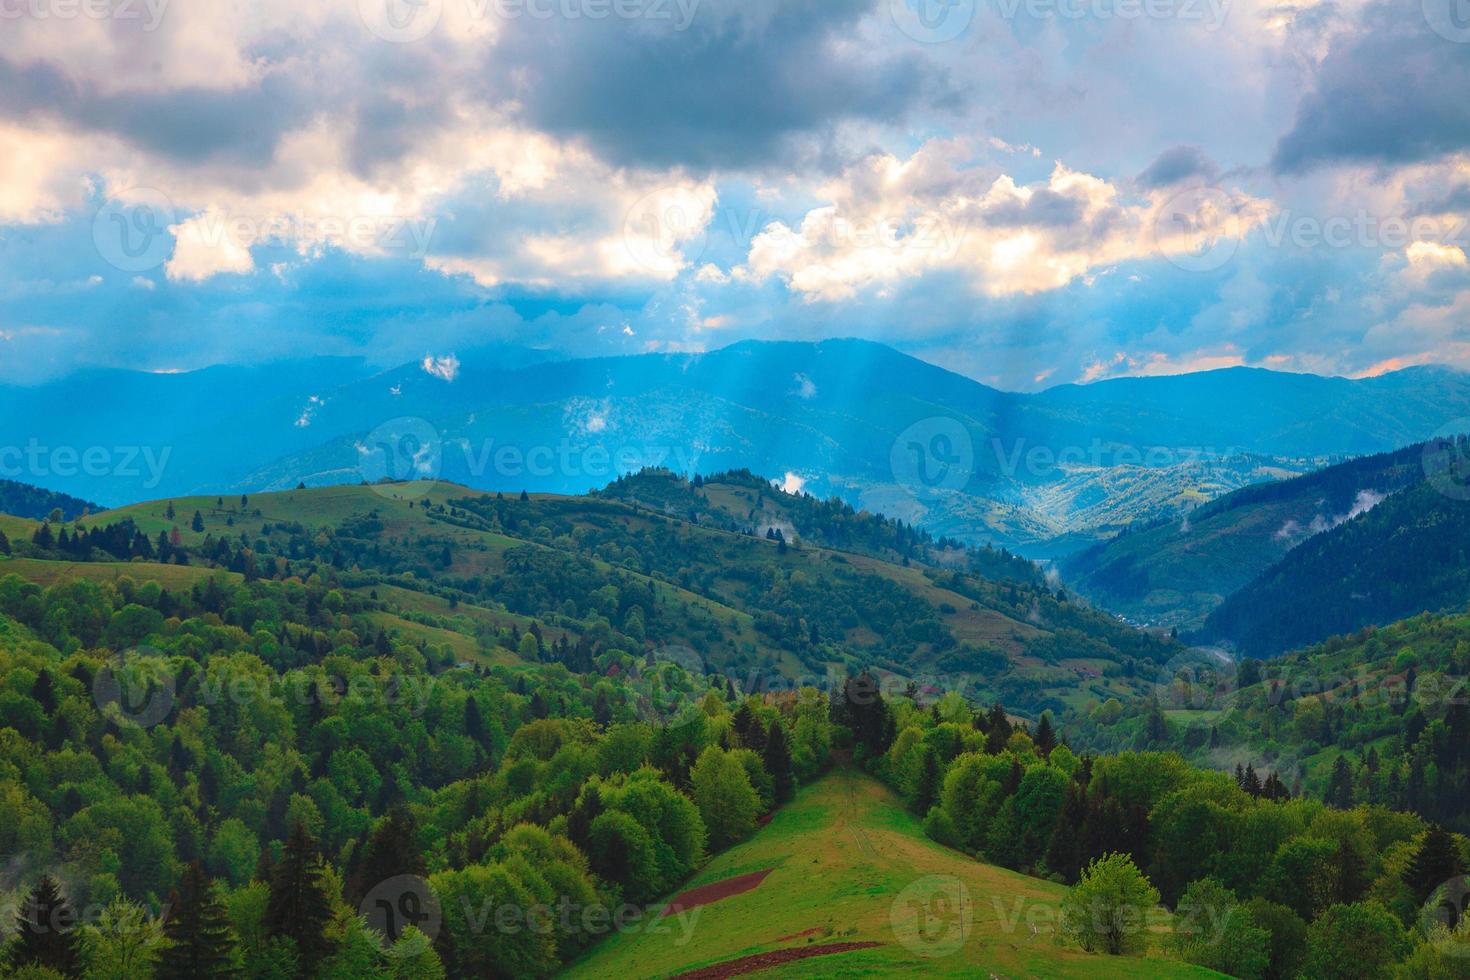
(1340, 787)
(1435, 862)
(45, 934)
(299, 907)
(1045, 737)
(197, 929)
(997, 730)
(926, 781)
(778, 763)
(391, 850)
(1065, 854)
(474, 722)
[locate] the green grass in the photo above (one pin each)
(844, 853)
(17, 528)
(169, 576)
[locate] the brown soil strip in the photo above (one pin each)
(799, 935)
(764, 961)
(705, 894)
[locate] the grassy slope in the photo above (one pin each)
(843, 853)
(51, 572)
(17, 528)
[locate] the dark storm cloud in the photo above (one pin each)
(1176, 164)
(734, 89)
(190, 125)
(1392, 92)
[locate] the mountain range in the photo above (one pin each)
(1045, 473)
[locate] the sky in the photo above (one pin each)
(1031, 192)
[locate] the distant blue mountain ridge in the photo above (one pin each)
(1039, 472)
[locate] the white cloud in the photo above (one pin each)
(204, 247)
(891, 220)
(313, 404)
(39, 176)
(444, 368)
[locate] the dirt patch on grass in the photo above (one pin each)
(765, 961)
(800, 935)
(705, 894)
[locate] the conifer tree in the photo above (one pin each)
(1435, 862)
(1340, 787)
(1065, 855)
(926, 781)
(197, 930)
(1046, 736)
(391, 850)
(45, 934)
(299, 907)
(778, 763)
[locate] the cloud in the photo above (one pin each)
(444, 368)
(203, 247)
(891, 219)
(1176, 165)
(1389, 91)
(40, 180)
(1295, 532)
(805, 388)
(745, 83)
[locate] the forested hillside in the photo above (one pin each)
(1263, 884)
(1408, 554)
(1377, 717)
(232, 775)
(24, 500)
(602, 572)
(1177, 572)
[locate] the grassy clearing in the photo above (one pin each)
(844, 854)
(17, 528)
(168, 576)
